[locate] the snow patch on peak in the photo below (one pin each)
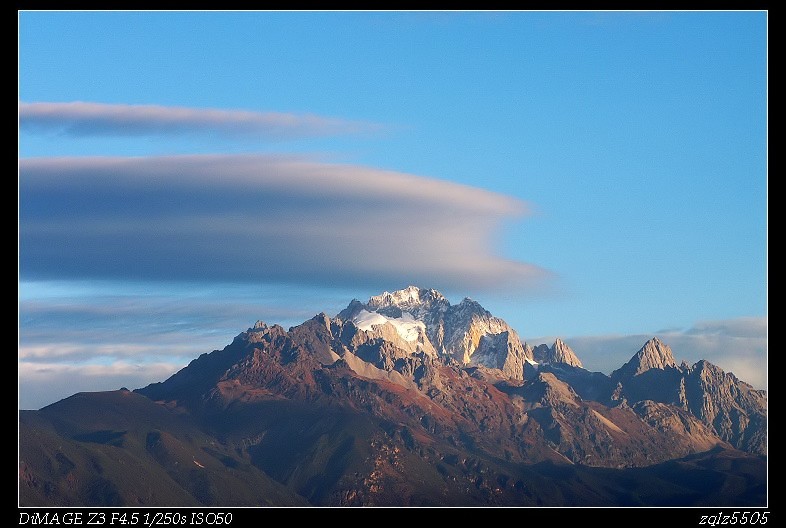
(406, 326)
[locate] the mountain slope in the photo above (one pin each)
(120, 448)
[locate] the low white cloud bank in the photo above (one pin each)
(98, 119)
(736, 345)
(260, 218)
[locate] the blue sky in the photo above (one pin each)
(592, 175)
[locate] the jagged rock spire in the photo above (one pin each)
(655, 354)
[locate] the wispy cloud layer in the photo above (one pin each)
(736, 345)
(260, 218)
(97, 119)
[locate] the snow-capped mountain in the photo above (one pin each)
(466, 332)
(405, 399)
(425, 321)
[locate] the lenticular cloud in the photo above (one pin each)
(97, 119)
(266, 218)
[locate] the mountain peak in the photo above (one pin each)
(655, 354)
(562, 353)
(559, 352)
(408, 297)
(428, 321)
